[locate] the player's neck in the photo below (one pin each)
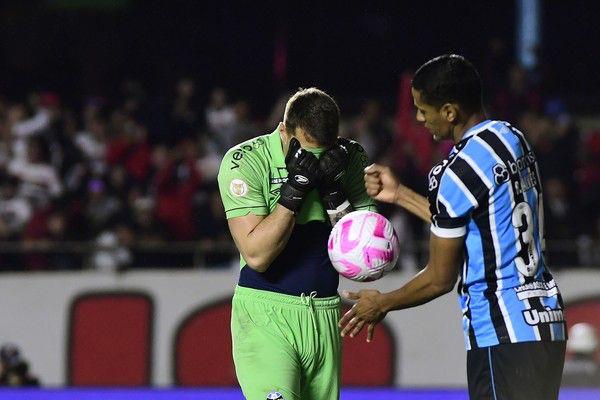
(460, 129)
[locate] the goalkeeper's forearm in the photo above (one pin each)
(267, 240)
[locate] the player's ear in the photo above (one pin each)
(449, 112)
(285, 137)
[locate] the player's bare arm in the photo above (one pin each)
(436, 279)
(260, 239)
(383, 186)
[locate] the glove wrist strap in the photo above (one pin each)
(336, 214)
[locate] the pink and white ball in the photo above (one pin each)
(363, 246)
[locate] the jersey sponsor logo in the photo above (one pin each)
(549, 315)
(238, 187)
(301, 179)
(501, 174)
(536, 289)
(525, 183)
(274, 396)
(528, 160)
(238, 154)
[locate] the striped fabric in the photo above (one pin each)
(489, 190)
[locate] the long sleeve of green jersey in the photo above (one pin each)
(241, 184)
(354, 184)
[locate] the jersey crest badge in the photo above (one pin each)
(238, 187)
(274, 396)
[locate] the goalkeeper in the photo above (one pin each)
(281, 193)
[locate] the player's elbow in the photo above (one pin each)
(257, 262)
(444, 286)
(447, 287)
(442, 283)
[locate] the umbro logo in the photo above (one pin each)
(501, 174)
(301, 179)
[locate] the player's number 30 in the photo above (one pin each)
(522, 219)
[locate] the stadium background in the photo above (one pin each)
(116, 265)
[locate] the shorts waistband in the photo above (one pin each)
(317, 302)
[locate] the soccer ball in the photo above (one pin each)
(363, 246)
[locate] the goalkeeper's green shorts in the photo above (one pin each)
(286, 344)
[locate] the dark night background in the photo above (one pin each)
(78, 47)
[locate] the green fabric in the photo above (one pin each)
(287, 344)
(260, 164)
(251, 175)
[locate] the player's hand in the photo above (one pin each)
(381, 183)
(333, 164)
(303, 174)
(367, 310)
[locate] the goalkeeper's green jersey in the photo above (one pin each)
(250, 178)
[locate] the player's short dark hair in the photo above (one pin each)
(449, 78)
(315, 112)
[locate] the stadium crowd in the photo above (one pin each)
(132, 175)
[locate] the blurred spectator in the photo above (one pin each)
(129, 147)
(89, 171)
(14, 370)
(119, 183)
(373, 130)
(588, 180)
(48, 226)
(411, 156)
(582, 368)
(243, 127)
(184, 117)
(495, 67)
(58, 230)
(39, 180)
(407, 260)
(176, 182)
(413, 145)
(212, 228)
(149, 238)
(24, 128)
(92, 143)
(101, 207)
(221, 119)
(518, 96)
(15, 211)
(560, 222)
(114, 249)
(209, 160)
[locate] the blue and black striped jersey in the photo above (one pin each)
(489, 190)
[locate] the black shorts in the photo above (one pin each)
(514, 371)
